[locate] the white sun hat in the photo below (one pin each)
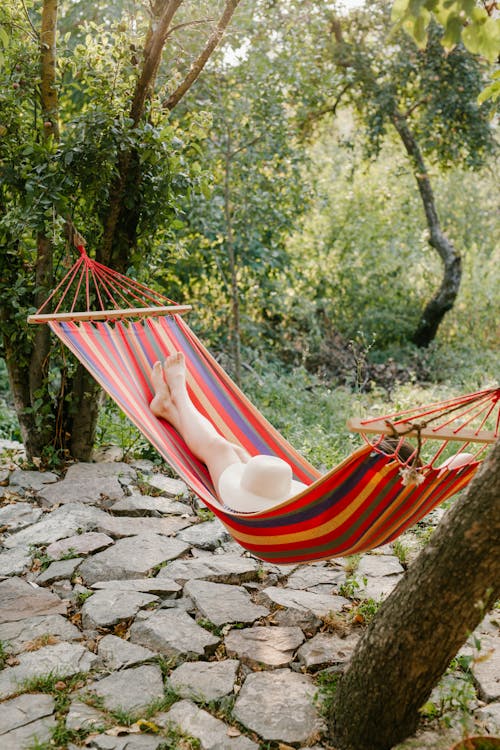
(259, 484)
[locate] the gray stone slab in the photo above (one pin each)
(378, 566)
(278, 705)
(62, 522)
(130, 742)
(222, 603)
(144, 505)
(23, 710)
(81, 716)
(162, 587)
(489, 718)
(310, 577)
(17, 516)
(131, 557)
(62, 569)
(39, 731)
(117, 653)
(171, 487)
(318, 604)
(377, 587)
(14, 561)
(123, 526)
(19, 600)
(32, 480)
(486, 669)
(207, 535)
(19, 633)
(300, 618)
(211, 732)
(88, 483)
(130, 689)
(79, 544)
(204, 681)
(64, 659)
(109, 607)
(173, 633)
(216, 568)
(326, 649)
(264, 646)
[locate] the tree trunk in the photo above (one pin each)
(423, 623)
(235, 296)
(444, 299)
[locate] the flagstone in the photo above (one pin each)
(222, 603)
(88, 483)
(22, 710)
(326, 649)
(117, 653)
(212, 733)
(109, 607)
(32, 480)
(17, 516)
(316, 576)
(14, 561)
(225, 568)
(129, 689)
(62, 659)
(173, 633)
(207, 535)
(131, 557)
(205, 681)
(123, 526)
(378, 566)
(278, 705)
(19, 600)
(264, 646)
(168, 485)
(79, 544)
(17, 634)
(319, 604)
(63, 569)
(82, 716)
(162, 587)
(61, 522)
(141, 505)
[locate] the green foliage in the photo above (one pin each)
(462, 20)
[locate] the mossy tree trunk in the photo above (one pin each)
(423, 623)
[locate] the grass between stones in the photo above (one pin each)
(117, 722)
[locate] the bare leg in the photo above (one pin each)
(172, 402)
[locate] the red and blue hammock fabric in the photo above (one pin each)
(364, 502)
(357, 506)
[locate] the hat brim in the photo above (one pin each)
(234, 497)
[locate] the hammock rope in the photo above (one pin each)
(368, 500)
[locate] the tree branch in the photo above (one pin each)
(329, 109)
(189, 23)
(200, 62)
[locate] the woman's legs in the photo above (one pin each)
(172, 402)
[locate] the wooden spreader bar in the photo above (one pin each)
(130, 312)
(380, 427)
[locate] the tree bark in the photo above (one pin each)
(204, 55)
(235, 296)
(423, 623)
(48, 56)
(444, 299)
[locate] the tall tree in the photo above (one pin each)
(421, 626)
(83, 134)
(428, 97)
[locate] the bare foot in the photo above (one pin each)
(174, 368)
(162, 404)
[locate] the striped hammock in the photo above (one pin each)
(357, 506)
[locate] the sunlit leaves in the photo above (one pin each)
(462, 20)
